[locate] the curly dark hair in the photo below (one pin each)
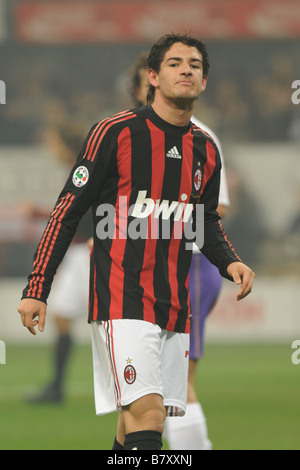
(141, 63)
(160, 48)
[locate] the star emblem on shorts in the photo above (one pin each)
(128, 361)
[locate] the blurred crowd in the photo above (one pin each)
(242, 104)
(256, 108)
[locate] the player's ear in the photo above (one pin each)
(153, 78)
(204, 82)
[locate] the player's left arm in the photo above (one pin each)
(242, 275)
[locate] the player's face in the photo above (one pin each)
(181, 74)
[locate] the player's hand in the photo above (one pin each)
(33, 313)
(243, 276)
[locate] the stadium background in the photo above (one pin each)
(69, 60)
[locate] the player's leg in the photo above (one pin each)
(120, 437)
(145, 418)
(128, 370)
(144, 423)
(140, 424)
(139, 418)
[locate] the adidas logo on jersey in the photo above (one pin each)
(173, 153)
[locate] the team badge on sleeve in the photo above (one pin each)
(80, 176)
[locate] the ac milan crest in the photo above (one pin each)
(197, 179)
(129, 374)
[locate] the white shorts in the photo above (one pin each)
(70, 290)
(134, 358)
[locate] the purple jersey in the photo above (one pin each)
(205, 286)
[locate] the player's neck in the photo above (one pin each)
(178, 113)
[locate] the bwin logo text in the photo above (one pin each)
(2, 92)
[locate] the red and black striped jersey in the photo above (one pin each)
(141, 176)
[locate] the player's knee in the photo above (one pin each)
(146, 413)
(154, 419)
(154, 415)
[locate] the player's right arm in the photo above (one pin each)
(95, 165)
(33, 313)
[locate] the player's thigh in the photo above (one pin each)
(127, 363)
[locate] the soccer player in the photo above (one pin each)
(205, 282)
(141, 171)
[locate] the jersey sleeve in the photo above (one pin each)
(216, 247)
(93, 166)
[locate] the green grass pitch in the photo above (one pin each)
(250, 395)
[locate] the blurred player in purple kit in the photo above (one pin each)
(190, 431)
